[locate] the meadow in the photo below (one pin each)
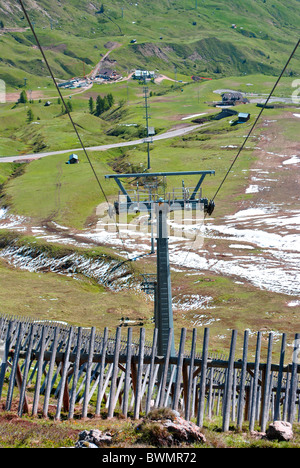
(247, 58)
(192, 37)
(48, 190)
(65, 186)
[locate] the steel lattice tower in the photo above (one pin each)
(159, 208)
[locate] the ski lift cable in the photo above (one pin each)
(66, 107)
(257, 119)
(249, 134)
(61, 96)
(81, 142)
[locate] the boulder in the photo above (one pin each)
(85, 444)
(184, 431)
(164, 427)
(93, 439)
(280, 430)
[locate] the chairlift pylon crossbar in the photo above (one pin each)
(117, 178)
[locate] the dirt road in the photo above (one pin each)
(163, 136)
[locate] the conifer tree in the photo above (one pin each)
(91, 105)
(23, 97)
(110, 99)
(30, 116)
(99, 105)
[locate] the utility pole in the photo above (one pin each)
(147, 117)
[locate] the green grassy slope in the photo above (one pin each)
(36, 191)
(169, 34)
(48, 189)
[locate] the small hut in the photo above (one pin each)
(73, 159)
(243, 117)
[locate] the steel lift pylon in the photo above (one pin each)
(160, 207)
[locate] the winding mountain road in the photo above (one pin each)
(163, 136)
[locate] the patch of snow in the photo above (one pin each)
(240, 246)
(249, 213)
(193, 116)
(292, 160)
(3, 213)
(259, 237)
(193, 302)
(229, 146)
(265, 216)
(59, 226)
(294, 303)
(252, 189)
(203, 321)
(270, 276)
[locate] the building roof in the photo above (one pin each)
(143, 72)
(106, 71)
(234, 95)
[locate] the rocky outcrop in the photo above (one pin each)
(161, 428)
(166, 428)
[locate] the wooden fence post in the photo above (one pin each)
(5, 355)
(294, 381)
(115, 370)
(191, 377)
(266, 387)
(101, 372)
(255, 383)
(165, 370)
(88, 373)
(50, 373)
(228, 384)
(139, 374)
(64, 375)
(234, 395)
(210, 393)
(241, 401)
(23, 400)
(179, 370)
(279, 379)
(39, 372)
(286, 396)
(152, 369)
(75, 373)
(13, 371)
(127, 372)
(202, 388)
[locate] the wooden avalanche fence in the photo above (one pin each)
(56, 370)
